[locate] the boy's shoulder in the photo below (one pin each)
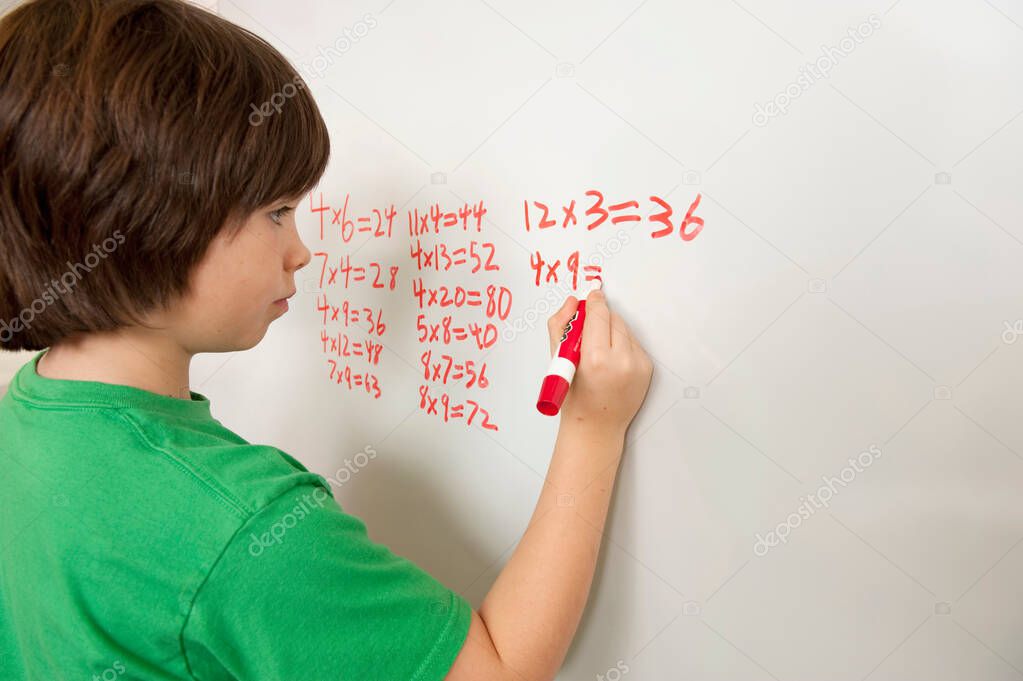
(167, 454)
(143, 462)
(241, 475)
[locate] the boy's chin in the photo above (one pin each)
(236, 344)
(252, 342)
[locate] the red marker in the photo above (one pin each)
(563, 365)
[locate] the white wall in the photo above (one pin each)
(10, 362)
(860, 260)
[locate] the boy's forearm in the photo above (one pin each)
(534, 607)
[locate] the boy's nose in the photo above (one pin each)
(299, 255)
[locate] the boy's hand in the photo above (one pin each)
(614, 371)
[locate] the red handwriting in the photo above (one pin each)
(373, 271)
(350, 316)
(433, 219)
(495, 300)
(377, 222)
(341, 345)
(432, 258)
(592, 273)
(444, 332)
(342, 321)
(539, 215)
(344, 376)
(447, 368)
(443, 406)
(548, 269)
(490, 300)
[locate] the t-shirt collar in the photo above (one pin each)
(29, 386)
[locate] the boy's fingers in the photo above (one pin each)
(597, 326)
(556, 323)
(620, 336)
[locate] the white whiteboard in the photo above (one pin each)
(857, 283)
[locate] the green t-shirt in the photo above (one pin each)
(141, 539)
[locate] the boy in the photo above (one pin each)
(144, 219)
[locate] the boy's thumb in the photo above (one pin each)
(556, 322)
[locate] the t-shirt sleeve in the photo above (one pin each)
(301, 592)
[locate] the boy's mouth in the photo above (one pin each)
(283, 302)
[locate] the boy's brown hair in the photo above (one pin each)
(131, 133)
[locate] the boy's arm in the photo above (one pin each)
(529, 617)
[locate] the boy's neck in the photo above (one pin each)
(141, 360)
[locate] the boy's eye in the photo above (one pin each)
(277, 215)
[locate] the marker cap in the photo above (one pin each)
(552, 394)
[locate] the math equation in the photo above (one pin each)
(455, 324)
